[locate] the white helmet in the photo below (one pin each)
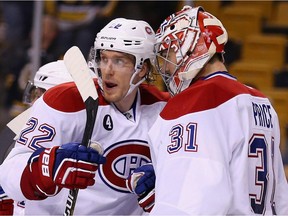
(52, 74)
(195, 36)
(135, 37)
(49, 75)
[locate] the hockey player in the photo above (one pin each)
(215, 146)
(49, 158)
(49, 75)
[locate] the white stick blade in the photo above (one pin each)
(78, 68)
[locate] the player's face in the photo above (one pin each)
(32, 93)
(116, 70)
(36, 93)
(167, 61)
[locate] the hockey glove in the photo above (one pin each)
(6, 204)
(142, 183)
(49, 170)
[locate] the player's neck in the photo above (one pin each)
(212, 68)
(126, 103)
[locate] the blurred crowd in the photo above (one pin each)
(64, 24)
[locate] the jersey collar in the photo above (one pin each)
(219, 73)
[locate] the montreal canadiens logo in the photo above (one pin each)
(148, 30)
(121, 159)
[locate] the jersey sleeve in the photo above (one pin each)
(11, 170)
(45, 127)
(281, 194)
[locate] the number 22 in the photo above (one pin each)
(47, 134)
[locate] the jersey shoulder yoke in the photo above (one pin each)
(66, 97)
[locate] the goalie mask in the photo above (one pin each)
(47, 76)
(193, 36)
(128, 36)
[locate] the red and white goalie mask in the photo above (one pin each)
(185, 42)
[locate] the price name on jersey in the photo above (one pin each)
(262, 115)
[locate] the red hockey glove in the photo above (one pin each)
(49, 170)
(142, 183)
(6, 204)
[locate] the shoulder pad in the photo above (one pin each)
(66, 97)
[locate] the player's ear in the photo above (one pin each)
(145, 69)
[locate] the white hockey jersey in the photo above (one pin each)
(215, 149)
(59, 117)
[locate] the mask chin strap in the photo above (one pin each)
(133, 86)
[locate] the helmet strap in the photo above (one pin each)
(133, 86)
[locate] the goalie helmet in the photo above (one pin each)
(49, 75)
(135, 37)
(195, 36)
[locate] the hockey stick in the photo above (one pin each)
(78, 68)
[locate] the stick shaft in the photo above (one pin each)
(78, 68)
